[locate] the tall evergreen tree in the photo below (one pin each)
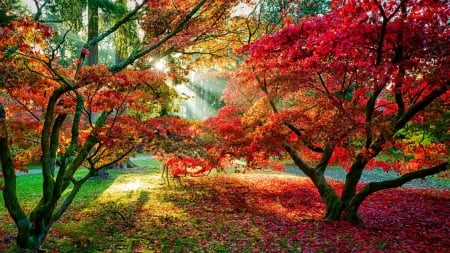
(126, 38)
(71, 11)
(9, 10)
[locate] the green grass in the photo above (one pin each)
(148, 163)
(29, 186)
(29, 192)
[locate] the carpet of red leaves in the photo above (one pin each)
(399, 220)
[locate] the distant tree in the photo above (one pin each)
(99, 13)
(10, 10)
(126, 38)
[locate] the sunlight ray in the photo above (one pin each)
(196, 104)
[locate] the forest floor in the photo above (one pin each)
(134, 211)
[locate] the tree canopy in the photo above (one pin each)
(355, 88)
(70, 115)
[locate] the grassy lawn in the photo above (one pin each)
(133, 211)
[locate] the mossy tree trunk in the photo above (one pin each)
(346, 206)
(93, 21)
(32, 229)
(329, 196)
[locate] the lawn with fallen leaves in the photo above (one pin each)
(256, 212)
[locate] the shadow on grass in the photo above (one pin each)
(103, 223)
(29, 191)
(247, 213)
(102, 227)
(241, 214)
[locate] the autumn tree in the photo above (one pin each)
(60, 101)
(249, 21)
(356, 88)
(53, 104)
(211, 54)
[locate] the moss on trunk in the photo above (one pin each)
(29, 240)
(332, 201)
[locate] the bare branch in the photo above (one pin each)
(26, 108)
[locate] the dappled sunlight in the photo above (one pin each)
(279, 195)
(130, 189)
(161, 65)
(246, 212)
(277, 206)
(128, 186)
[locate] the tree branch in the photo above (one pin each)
(394, 183)
(370, 107)
(120, 157)
(39, 8)
(305, 141)
(308, 170)
(326, 156)
(26, 108)
(68, 200)
(83, 153)
(48, 168)
(417, 107)
(178, 28)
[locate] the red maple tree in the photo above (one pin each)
(77, 115)
(363, 86)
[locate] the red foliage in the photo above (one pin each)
(321, 75)
(30, 77)
(261, 213)
(187, 166)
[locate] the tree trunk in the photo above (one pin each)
(128, 164)
(350, 212)
(93, 31)
(101, 173)
(332, 201)
(30, 240)
(25, 239)
(352, 178)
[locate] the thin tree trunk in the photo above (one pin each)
(93, 31)
(128, 164)
(101, 173)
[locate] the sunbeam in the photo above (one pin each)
(201, 97)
